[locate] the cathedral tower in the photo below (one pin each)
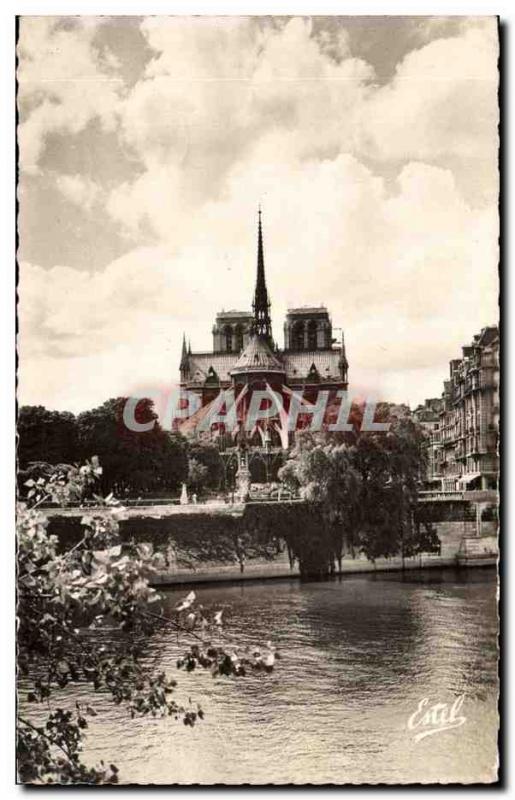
(244, 353)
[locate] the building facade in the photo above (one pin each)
(244, 353)
(463, 427)
(428, 416)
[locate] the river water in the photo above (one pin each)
(357, 658)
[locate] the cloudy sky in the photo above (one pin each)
(146, 145)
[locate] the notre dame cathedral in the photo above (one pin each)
(244, 352)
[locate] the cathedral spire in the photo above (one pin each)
(262, 324)
(184, 353)
(342, 361)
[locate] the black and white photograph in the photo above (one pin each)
(257, 400)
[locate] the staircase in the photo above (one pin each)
(478, 550)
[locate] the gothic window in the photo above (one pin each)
(312, 335)
(238, 334)
(298, 336)
(227, 337)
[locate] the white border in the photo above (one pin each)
(7, 221)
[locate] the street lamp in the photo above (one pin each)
(268, 450)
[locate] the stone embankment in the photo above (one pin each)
(255, 541)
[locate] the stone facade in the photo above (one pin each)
(428, 416)
(463, 426)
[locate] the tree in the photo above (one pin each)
(207, 455)
(134, 462)
(365, 487)
(232, 543)
(45, 436)
(197, 475)
(63, 597)
(406, 463)
(324, 474)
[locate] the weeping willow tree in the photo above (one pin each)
(363, 491)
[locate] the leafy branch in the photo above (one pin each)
(65, 600)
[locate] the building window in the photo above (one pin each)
(238, 338)
(298, 336)
(312, 335)
(227, 335)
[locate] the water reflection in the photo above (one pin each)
(357, 657)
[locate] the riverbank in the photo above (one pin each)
(254, 541)
(260, 570)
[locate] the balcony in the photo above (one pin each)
(460, 451)
(482, 444)
(487, 380)
(471, 385)
(440, 495)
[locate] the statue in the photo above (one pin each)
(243, 474)
(184, 496)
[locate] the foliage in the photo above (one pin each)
(207, 455)
(366, 490)
(234, 542)
(66, 600)
(45, 436)
(197, 475)
(134, 463)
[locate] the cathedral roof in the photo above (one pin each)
(296, 365)
(200, 363)
(257, 357)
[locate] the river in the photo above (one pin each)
(357, 656)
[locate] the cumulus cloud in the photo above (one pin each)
(87, 336)
(78, 190)
(379, 200)
(407, 275)
(64, 81)
(441, 106)
(216, 86)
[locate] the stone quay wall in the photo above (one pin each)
(220, 542)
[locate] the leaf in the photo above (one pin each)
(187, 602)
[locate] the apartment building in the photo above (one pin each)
(463, 427)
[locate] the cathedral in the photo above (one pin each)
(244, 353)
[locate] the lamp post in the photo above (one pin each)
(268, 449)
(229, 469)
(243, 473)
